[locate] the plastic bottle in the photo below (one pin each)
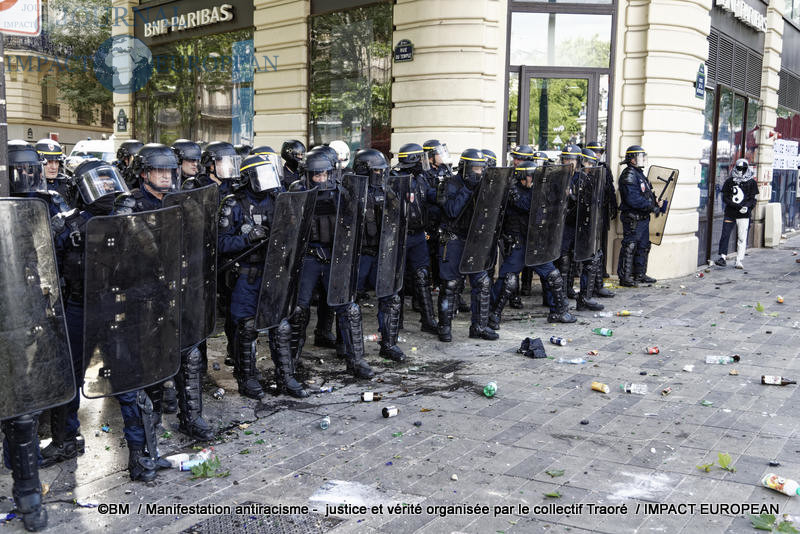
(636, 389)
(628, 313)
(176, 459)
(787, 486)
(372, 337)
(604, 314)
(325, 422)
(490, 389)
(603, 331)
(555, 340)
(722, 360)
(776, 380)
(575, 361)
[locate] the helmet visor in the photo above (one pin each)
(227, 167)
(99, 182)
(277, 164)
(264, 177)
(163, 179)
(442, 152)
(27, 177)
(377, 177)
(320, 179)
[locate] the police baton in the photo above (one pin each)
(229, 264)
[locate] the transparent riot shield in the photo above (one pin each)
(35, 363)
(133, 300)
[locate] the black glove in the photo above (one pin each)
(258, 233)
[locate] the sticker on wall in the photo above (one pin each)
(404, 51)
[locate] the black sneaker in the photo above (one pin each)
(721, 262)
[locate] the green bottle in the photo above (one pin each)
(490, 389)
(603, 331)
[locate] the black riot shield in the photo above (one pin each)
(548, 207)
(479, 248)
(589, 208)
(350, 211)
(288, 239)
(133, 296)
(35, 363)
(199, 262)
(392, 248)
(663, 181)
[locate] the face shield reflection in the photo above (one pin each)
(97, 183)
(27, 177)
(226, 167)
(264, 178)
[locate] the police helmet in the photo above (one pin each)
(433, 148)
(186, 150)
(524, 170)
(637, 153)
(224, 158)
(260, 174)
(97, 179)
(49, 150)
(269, 154)
(342, 153)
(157, 165)
(491, 157)
(523, 153)
(26, 174)
(371, 162)
(243, 149)
(293, 152)
(597, 147)
(319, 171)
(588, 157)
(471, 165)
(128, 149)
(410, 156)
(540, 158)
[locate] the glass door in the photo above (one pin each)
(558, 107)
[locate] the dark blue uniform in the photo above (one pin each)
(636, 205)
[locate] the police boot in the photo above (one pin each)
(349, 321)
(323, 333)
(481, 330)
(246, 356)
(561, 312)
(62, 447)
(461, 306)
(448, 290)
(298, 323)
(190, 396)
(170, 402)
(644, 279)
(527, 279)
(599, 290)
(390, 309)
(280, 347)
(567, 269)
(625, 266)
(422, 289)
(23, 444)
(140, 465)
(509, 288)
(585, 300)
(515, 300)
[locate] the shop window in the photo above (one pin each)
(512, 138)
(792, 11)
(560, 40)
(201, 89)
(350, 54)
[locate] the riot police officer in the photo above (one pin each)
(372, 163)
(221, 164)
(570, 155)
(637, 202)
(513, 244)
(53, 160)
(491, 157)
(293, 152)
(188, 153)
(28, 179)
(319, 171)
(522, 153)
(608, 214)
(411, 161)
(589, 272)
(245, 222)
(458, 206)
(518, 155)
(125, 153)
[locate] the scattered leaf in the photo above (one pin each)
(209, 469)
(397, 434)
(248, 432)
(166, 435)
(725, 462)
(706, 467)
(244, 451)
(423, 410)
(706, 403)
(553, 495)
(759, 307)
(763, 521)
(259, 442)
(786, 527)
(555, 472)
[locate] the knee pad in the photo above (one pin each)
(484, 282)
(554, 279)
(353, 312)
(452, 285)
(511, 282)
(194, 359)
(247, 330)
(300, 315)
(422, 276)
(283, 328)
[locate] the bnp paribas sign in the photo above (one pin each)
(745, 13)
(158, 23)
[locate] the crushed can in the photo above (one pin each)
(218, 394)
(390, 411)
(651, 350)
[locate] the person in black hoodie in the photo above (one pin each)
(739, 194)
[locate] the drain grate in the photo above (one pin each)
(265, 524)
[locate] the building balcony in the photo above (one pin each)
(51, 112)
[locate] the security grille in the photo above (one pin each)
(278, 524)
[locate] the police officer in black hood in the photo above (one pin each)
(293, 153)
(637, 203)
(125, 153)
(458, 206)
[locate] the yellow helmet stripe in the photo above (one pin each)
(408, 153)
(473, 159)
(52, 153)
(256, 164)
(489, 156)
(572, 153)
(635, 151)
